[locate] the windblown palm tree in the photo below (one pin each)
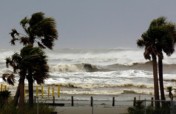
(165, 33)
(36, 67)
(159, 38)
(15, 63)
(31, 60)
(150, 53)
(39, 30)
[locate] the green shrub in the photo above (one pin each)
(9, 108)
(139, 108)
(4, 96)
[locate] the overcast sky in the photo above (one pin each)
(88, 23)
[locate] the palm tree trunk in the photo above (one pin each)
(160, 66)
(30, 87)
(155, 79)
(21, 100)
(17, 95)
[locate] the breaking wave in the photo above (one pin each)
(86, 67)
(73, 68)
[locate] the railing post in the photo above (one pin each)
(1, 87)
(36, 90)
(152, 102)
(58, 91)
(42, 91)
(113, 101)
(72, 101)
(53, 100)
(134, 102)
(91, 101)
(48, 91)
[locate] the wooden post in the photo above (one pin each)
(91, 101)
(53, 100)
(134, 102)
(5, 87)
(36, 90)
(72, 101)
(152, 101)
(113, 101)
(24, 92)
(53, 91)
(58, 92)
(42, 91)
(48, 91)
(1, 87)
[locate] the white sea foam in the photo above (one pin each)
(87, 71)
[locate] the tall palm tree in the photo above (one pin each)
(36, 66)
(161, 34)
(150, 53)
(30, 60)
(39, 30)
(165, 33)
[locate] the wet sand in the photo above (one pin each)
(90, 110)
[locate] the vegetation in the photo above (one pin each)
(9, 108)
(160, 37)
(169, 89)
(141, 108)
(31, 62)
(4, 95)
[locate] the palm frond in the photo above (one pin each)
(24, 22)
(24, 40)
(40, 45)
(8, 62)
(36, 18)
(13, 33)
(9, 78)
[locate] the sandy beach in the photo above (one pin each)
(90, 110)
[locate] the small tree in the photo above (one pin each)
(30, 60)
(39, 30)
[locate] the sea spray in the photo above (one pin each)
(101, 71)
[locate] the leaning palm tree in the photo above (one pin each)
(31, 60)
(161, 35)
(15, 62)
(151, 53)
(36, 66)
(39, 30)
(165, 33)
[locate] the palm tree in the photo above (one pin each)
(30, 60)
(150, 52)
(161, 35)
(36, 67)
(165, 33)
(39, 30)
(15, 63)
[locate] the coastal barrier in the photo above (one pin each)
(41, 91)
(3, 87)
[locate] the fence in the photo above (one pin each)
(51, 95)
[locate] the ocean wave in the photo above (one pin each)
(106, 92)
(87, 67)
(95, 86)
(168, 68)
(83, 67)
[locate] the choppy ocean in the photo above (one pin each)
(101, 71)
